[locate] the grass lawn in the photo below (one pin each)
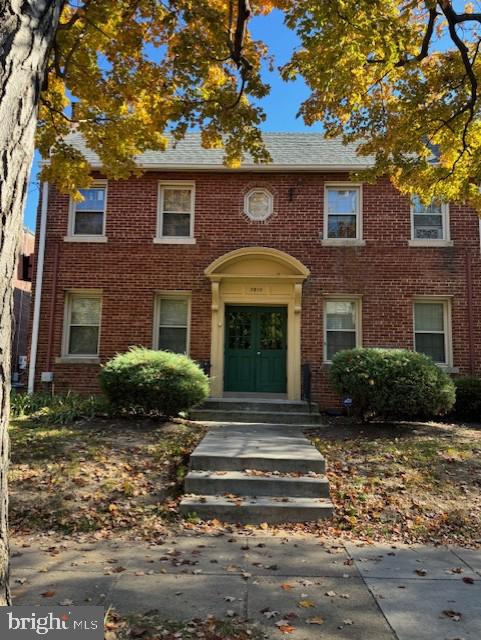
(150, 625)
(112, 478)
(103, 477)
(410, 482)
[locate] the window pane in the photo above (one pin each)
(432, 344)
(83, 341)
(341, 227)
(339, 340)
(429, 316)
(342, 200)
(418, 207)
(173, 312)
(340, 314)
(89, 223)
(85, 311)
(258, 204)
(176, 224)
(173, 339)
(177, 200)
(94, 200)
(428, 226)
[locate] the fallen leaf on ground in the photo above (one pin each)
(286, 586)
(305, 604)
(454, 615)
(47, 594)
(315, 620)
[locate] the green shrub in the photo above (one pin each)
(468, 398)
(58, 409)
(160, 382)
(392, 383)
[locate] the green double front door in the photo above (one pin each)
(255, 349)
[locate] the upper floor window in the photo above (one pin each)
(82, 324)
(431, 329)
(258, 204)
(176, 212)
(429, 223)
(341, 325)
(172, 323)
(87, 217)
(342, 213)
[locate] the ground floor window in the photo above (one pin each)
(341, 325)
(172, 323)
(82, 324)
(432, 329)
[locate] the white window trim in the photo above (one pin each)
(69, 296)
(446, 301)
(79, 237)
(347, 242)
(270, 199)
(159, 238)
(436, 242)
(173, 295)
(338, 297)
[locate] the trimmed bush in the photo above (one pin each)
(145, 382)
(392, 383)
(468, 398)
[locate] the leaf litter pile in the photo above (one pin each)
(100, 478)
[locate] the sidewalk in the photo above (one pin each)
(322, 589)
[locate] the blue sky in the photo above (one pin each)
(280, 106)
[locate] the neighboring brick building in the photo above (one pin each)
(22, 294)
(256, 270)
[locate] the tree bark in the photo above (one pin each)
(27, 31)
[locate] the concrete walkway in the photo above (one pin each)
(322, 589)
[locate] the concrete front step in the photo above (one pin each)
(259, 404)
(255, 510)
(249, 416)
(261, 447)
(249, 484)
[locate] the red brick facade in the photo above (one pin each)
(129, 268)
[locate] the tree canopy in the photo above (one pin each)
(397, 77)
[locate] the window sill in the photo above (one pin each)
(77, 360)
(448, 368)
(343, 242)
(85, 239)
(175, 240)
(430, 243)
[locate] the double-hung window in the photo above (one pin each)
(82, 324)
(429, 223)
(87, 217)
(342, 213)
(172, 323)
(341, 325)
(432, 329)
(176, 213)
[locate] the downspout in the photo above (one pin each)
(38, 288)
(469, 287)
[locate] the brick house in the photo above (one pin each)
(257, 271)
(22, 294)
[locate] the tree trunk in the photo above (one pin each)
(27, 31)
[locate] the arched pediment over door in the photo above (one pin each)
(258, 277)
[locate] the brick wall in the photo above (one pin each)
(130, 268)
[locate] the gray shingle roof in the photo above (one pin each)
(308, 151)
